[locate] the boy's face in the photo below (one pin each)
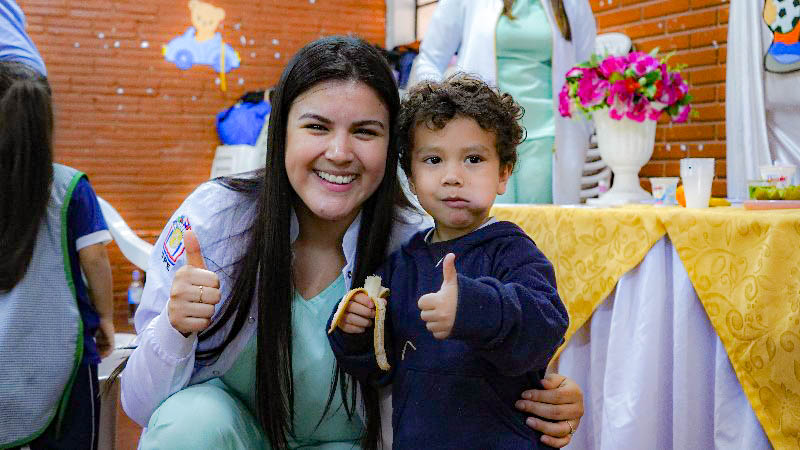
(456, 175)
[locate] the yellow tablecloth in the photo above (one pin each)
(744, 266)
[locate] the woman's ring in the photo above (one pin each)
(571, 428)
(201, 301)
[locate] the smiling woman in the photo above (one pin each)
(336, 152)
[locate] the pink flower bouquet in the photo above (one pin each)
(637, 86)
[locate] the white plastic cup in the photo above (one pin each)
(664, 189)
(697, 175)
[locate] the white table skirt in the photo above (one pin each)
(653, 371)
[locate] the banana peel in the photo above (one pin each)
(718, 201)
(373, 289)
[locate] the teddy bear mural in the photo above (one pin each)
(201, 44)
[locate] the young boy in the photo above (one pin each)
(473, 315)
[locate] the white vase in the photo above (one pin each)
(625, 145)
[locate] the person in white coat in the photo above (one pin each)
(524, 47)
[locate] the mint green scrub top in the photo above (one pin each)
(524, 48)
(312, 363)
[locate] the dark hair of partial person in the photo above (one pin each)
(434, 104)
(265, 271)
(559, 13)
(26, 165)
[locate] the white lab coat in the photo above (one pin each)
(468, 26)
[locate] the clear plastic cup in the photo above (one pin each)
(780, 175)
(664, 189)
(697, 175)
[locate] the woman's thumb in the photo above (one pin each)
(194, 256)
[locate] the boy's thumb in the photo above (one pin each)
(449, 274)
(194, 256)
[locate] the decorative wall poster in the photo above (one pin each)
(202, 44)
(782, 17)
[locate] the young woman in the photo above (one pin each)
(232, 350)
(524, 47)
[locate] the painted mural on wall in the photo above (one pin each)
(783, 19)
(202, 44)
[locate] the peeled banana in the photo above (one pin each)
(378, 294)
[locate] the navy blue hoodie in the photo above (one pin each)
(460, 392)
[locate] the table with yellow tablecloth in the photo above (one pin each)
(743, 267)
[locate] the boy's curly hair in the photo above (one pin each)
(435, 104)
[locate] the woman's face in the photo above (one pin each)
(337, 138)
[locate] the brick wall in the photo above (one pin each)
(142, 129)
(697, 31)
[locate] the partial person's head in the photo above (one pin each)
(26, 170)
(332, 128)
(458, 141)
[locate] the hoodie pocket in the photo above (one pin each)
(430, 405)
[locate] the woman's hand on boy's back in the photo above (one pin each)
(195, 291)
(438, 309)
(560, 402)
(358, 315)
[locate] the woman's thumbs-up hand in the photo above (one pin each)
(438, 309)
(195, 291)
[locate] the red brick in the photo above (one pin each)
(703, 94)
(690, 21)
(602, 5)
(689, 132)
(714, 37)
(721, 131)
(722, 14)
(643, 29)
(707, 150)
(618, 17)
(652, 169)
(722, 54)
(695, 4)
(719, 188)
(669, 151)
(720, 168)
(694, 58)
(672, 169)
(664, 8)
(721, 92)
(708, 75)
(664, 44)
(710, 113)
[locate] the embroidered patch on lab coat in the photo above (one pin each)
(173, 246)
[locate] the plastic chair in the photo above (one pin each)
(136, 249)
(107, 434)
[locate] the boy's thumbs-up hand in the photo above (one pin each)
(438, 309)
(195, 291)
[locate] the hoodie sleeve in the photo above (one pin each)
(515, 319)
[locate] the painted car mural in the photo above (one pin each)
(186, 51)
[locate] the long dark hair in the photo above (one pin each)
(559, 13)
(26, 165)
(265, 271)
